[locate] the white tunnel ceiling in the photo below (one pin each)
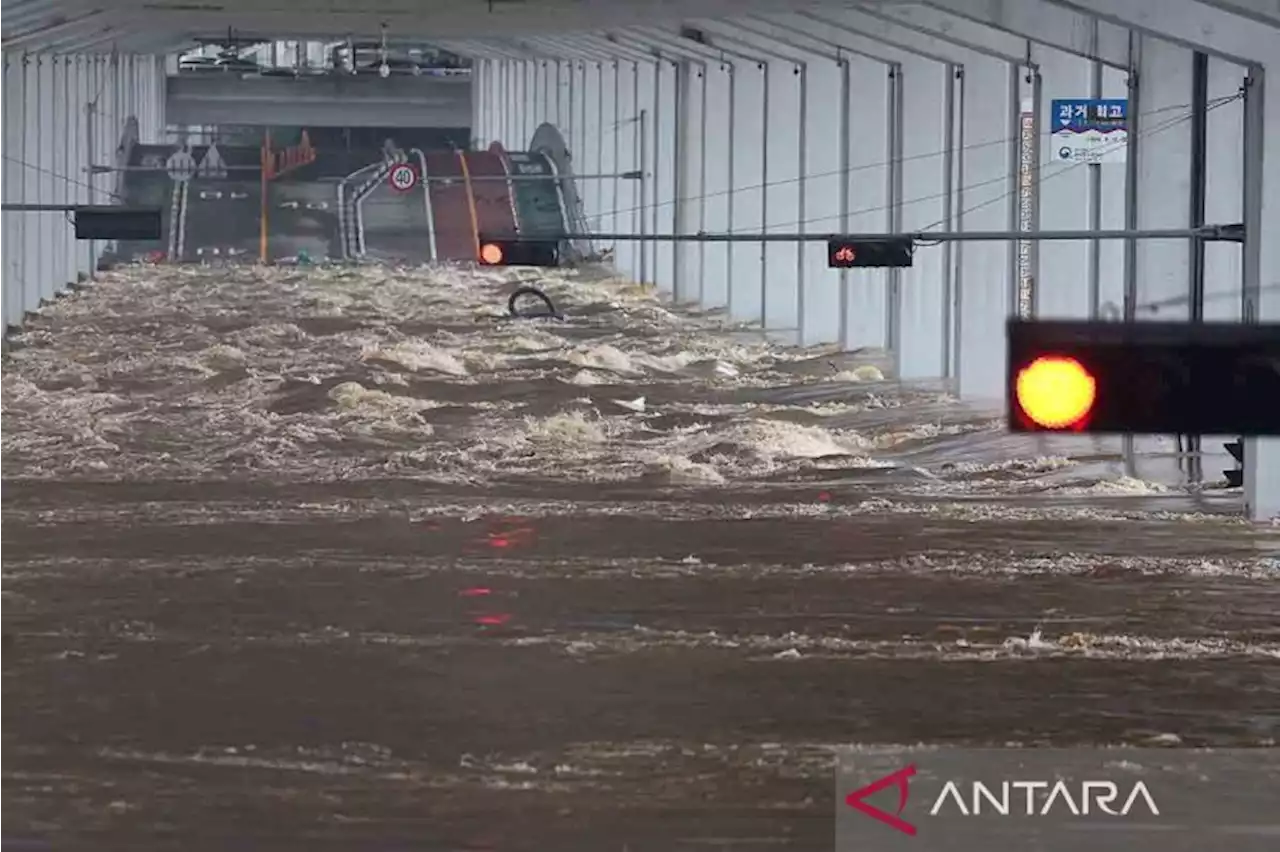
(147, 26)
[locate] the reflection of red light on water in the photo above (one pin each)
(499, 541)
(493, 620)
(475, 592)
(823, 496)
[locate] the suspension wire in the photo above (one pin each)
(974, 146)
(1146, 133)
(1217, 102)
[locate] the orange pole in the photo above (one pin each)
(267, 158)
(471, 201)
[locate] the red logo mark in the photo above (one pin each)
(894, 779)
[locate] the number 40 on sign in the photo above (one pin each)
(403, 177)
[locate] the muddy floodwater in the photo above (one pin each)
(347, 559)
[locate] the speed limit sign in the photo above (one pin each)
(403, 177)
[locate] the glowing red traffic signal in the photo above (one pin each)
(518, 252)
(1143, 378)
(887, 251)
(1056, 392)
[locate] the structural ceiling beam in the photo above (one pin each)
(708, 53)
(1050, 25)
(48, 34)
(566, 49)
(728, 34)
(663, 49)
(980, 38)
(616, 48)
(1191, 24)
(893, 34)
(862, 45)
(817, 47)
(1263, 11)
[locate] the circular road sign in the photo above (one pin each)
(403, 177)
(181, 166)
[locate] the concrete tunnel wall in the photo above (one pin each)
(795, 123)
(50, 139)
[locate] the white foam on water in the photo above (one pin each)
(342, 372)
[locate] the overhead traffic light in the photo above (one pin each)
(1144, 377)
(845, 253)
(110, 222)
(519, 253)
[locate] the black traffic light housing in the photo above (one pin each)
(848, 253)
(111, 222)
(519, 252)
(1159, 377)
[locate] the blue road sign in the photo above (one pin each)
(1090, 130)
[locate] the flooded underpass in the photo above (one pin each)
(344, 558)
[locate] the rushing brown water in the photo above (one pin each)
(342, 559)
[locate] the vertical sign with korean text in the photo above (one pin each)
(1090, 130)
(1026, 209)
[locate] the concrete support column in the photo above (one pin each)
(644, 137)
(607, 140)
(804, 164)
(924, 138)
(823, 91)
(497, 111)
(1161, 129)
(577, 139)
(732, 97)
(78, 98)
(664, 162)
(871, 104)
(624, 135)
(537, 105)
(529, 100)
(14, 249)
(1065, 194)
(784, 146)
(564, 99)
(544, 101)
(690, 282)
(489, 104)
(162, 118)
(1224, 187)
(32, 184)
(481, 101)
(62, 175)
(590, 155)
(128, 90)
(500, 110)
(512, 117)
(746, 201)
(987, 202)
(109, 116)
(1262, 262)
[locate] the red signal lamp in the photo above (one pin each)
(1056, 392)
(518, 252)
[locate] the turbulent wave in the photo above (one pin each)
(341, 373)
(354, 542)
